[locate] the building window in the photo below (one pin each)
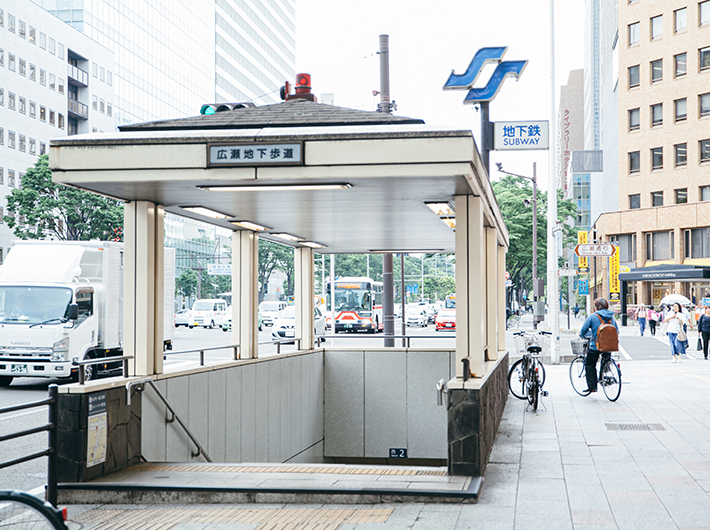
(657, 115)
(697, 243)
(42, 148)
(109, 109)
(60, 120)
(657, 27)
(94, 69)
(42, 77)
(634, 33)
(11, 101)
(60, 85)
(52, 82)
(2, 138)
(11, 62)
(657, 158)
(2, 181)
(704, 13)
(635, 202)
(109, 78)
(634, 76)
(681, 106)
(634, 162)
(102, 106)
(2, 18)
(22, 107)
(704, 104)
(95, 102)
(681, 196)
(33, 72)
(659, 245)
(22, 29)
(102, 74)
(626, 246)
(33, 109)
(704, 150)
(634, 119)
(33, 146)
(681, 155)
(656, 71)
(681, 64)
(11, 23)
(11, 178)
(52, 116)
(42, 40)
(704, 193)
(680, 17)
(704, 58)
(42, 113)
(22, 143)
(2, 97)
(33, 35)
(23, 67)
(51, 46)
(2, 57)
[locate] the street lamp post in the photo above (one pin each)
(533, 179)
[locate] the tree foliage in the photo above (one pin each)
(512, 192)
(186, 283)
(272, 257)
(49, 209)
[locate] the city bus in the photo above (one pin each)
(358, 304)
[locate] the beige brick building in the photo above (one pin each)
(664, 151)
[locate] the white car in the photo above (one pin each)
(183, 318)
(270, 310)
(284, 326)
(417, 317)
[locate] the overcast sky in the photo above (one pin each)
(337, 44)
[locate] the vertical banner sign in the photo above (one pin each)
(614, 285)
(582, 261)
(97, 428)
(583, 287)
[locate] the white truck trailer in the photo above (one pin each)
(61, 301)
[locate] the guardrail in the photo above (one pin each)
(51, 451)
(102, 360)
(296, 341)
(235, 347)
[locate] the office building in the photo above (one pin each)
(663, 223)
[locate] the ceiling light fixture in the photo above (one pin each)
(312, 244)
(251, 226)
(287, 237)
(201, 210)
(279, 187)
(441, 208)
(407, 251)
(449, 221)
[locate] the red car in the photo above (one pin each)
(446, 319)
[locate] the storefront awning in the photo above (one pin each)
(676, 273)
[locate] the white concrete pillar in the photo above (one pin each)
(470, 284)
(501, 298)
(143, 286)
(303, 295)
(492, 289)
(245, 293)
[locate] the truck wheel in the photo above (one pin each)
(5, 380)
(211, 326)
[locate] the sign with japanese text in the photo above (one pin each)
(255, 154)
(219, 269)
(97, 429)
(583, 261)
(567, 272)
(614, 285)
(595, 249)
(521, 135)
(583, 287)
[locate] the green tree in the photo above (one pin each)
(272, 257)
(40, 208)
(511, 192)
(186, 283)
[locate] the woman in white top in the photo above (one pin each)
(675, 319)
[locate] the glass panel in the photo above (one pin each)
(634, 119)
(634, 162)
(705, 193)
(635, 201)
(657, 158)
(657, 198)
(705, 150)
(662, 245)
(681, 20)
(705, 58)
(634, 76)
(681, 64)
(657, 114)
(704, 104)
(656, 70)
(681, 155)
(681, 106)
(634, 32)
(657, 27)
(681, 196)
(704, 13)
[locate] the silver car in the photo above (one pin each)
(285, 325)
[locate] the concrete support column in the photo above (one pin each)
(470, 284)
(492, 294)
(303, 292)
(501, 297)
(143, 261)
(245, 293)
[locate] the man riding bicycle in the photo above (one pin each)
(590, 328)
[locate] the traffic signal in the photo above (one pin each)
(212, 108)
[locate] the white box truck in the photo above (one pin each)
(61, 300)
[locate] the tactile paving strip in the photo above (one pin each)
(154, 518)
(288, 469)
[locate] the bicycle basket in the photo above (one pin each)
(580, 346)
(523, 341)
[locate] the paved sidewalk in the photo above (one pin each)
(642, 462)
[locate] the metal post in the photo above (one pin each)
(594, 233)
(486, 140)
(332, 293)
(536, 290)
(52, 459)
(384, 54)
(404, 298)
(388, 299)
(552, 277)
(125, 367)
(202, 357)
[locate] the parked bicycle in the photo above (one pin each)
(527, 375)
(21, 511)
(609, 371)
(513, 322)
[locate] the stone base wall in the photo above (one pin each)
(474, 416)
(123, 443)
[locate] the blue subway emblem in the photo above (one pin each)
(468, 79)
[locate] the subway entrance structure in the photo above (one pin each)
(341, 180)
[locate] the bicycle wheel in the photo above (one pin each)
(611, 380)
(534, 390)
(516, 380)
(21, 511)
(541, 372)
(578, 376)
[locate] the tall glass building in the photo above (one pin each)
(171, 56)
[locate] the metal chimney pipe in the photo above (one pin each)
(384, 52)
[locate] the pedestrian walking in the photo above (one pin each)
(653, 318)
(704, 330)
(674, 322)
(590, 329)
(642, 317)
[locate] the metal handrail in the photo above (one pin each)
(100, 360)
(278, 342)
(51, 451)
(235, 347)
(142, 382)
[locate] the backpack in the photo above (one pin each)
(607, 338)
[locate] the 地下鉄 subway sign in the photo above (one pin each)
(521, 135)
